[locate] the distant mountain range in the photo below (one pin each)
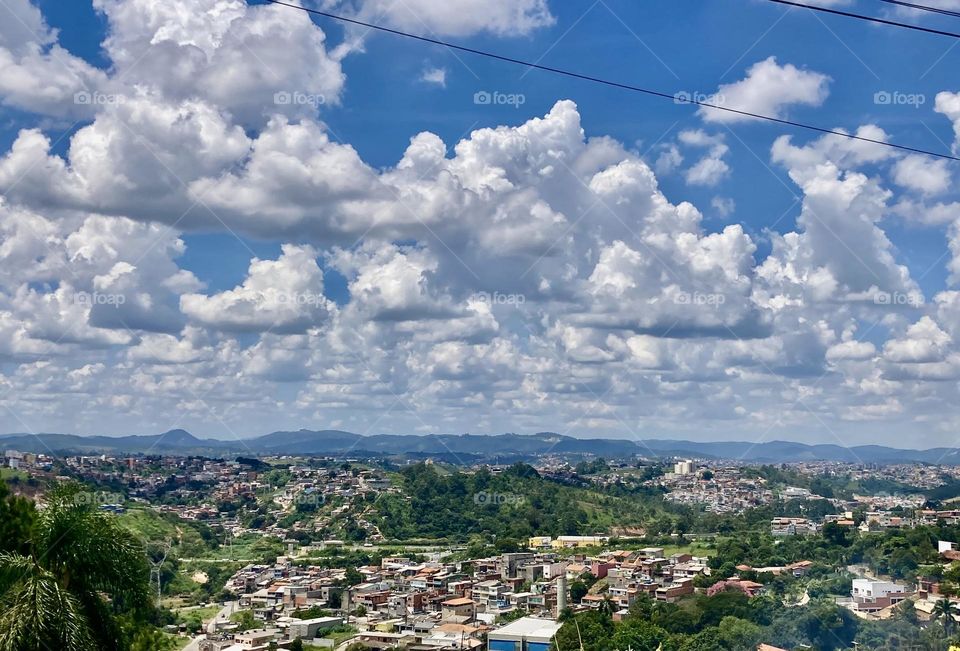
(465, 448)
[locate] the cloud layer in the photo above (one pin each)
(527, 276)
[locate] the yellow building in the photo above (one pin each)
(567, 542)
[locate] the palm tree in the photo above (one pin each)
(81, 566)
(944, 609)
(607, 607)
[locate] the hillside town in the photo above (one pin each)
(319, 511)
(445, 606)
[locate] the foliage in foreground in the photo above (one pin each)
(75, 580)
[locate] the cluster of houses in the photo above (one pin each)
(193, 487)
(793, 527)
(511, 601)
(716, 489)
(872, 522)
(524, 634)
(455, 605)
(25, 460)
(872, 596)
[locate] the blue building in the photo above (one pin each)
(525, 634)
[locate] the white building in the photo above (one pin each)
(794, 493)
(684, 467)
(869, 595)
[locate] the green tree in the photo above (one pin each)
(591, 627)
(706, 640)
(907, 611)
(352, 576)
(56, 596)
(578, 590)
(639, 635)
(311, 612)
(944, 610)
(836, 535)
(17, 518)
(607, 607)
(244, 620)
(739, 633)
(151, 639)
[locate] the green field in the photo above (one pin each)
(11, 473)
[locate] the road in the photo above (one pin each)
(194, 644)
(222, 616)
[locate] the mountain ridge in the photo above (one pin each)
(489, 446)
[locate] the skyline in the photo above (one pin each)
(234, 218)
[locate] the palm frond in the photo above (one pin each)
(80, 544)
(36, 613)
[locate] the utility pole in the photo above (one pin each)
(155, 566)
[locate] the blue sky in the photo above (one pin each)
(809, 297)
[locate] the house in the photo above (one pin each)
(14, 458)
(490, 594)
(252, 640)
(600, 568)
(795, 493)
(871, 596)
(749, 588)
(800, 568)
(927, 588)
(307, 629)
(453, 636)
(651, 552)
(459, 610)
(674, 591)
(792, 527)
(385, 640)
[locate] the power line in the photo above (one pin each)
(614, 84)
(872, 19)
(935, 10)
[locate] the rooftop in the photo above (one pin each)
(529, 627)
